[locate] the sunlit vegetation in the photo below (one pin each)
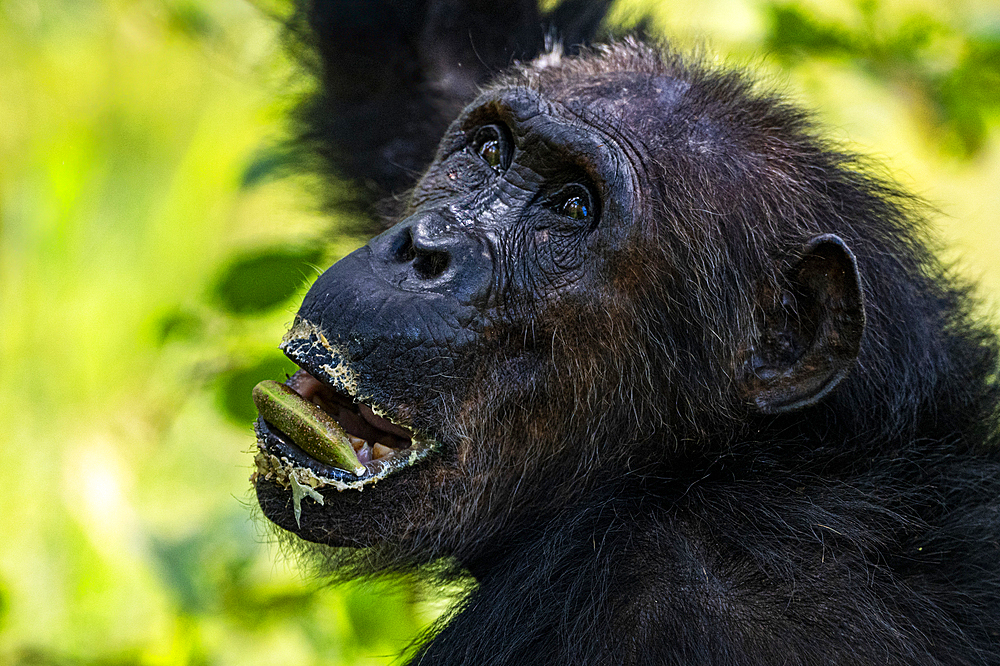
(153, 247)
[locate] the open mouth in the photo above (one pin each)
(310, 434)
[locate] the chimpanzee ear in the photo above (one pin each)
(812, 334)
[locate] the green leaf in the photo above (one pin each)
(262, 280)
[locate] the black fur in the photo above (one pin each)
(617, 472)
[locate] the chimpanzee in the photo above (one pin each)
(668, 376)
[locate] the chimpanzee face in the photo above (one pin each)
(519, 219)
(509, 321)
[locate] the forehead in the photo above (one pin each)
(605, 108)
(629, 97)
(663, 116)
(615, 99)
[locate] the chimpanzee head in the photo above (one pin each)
(616, 264)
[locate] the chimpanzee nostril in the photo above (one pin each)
(430, 263)
(429, 252)
(428, 256)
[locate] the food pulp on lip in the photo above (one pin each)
(371, 436)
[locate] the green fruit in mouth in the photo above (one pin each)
(312, 429)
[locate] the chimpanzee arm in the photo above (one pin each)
(392, 74)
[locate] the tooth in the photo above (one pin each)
(380, 450)
(356, 442)
(310, 427)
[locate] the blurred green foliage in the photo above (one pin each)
(152, 250)
(259, 281)
(953, 75)
(235, 384)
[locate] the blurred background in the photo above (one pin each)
(153, 250)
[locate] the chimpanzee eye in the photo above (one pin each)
(575, 203)
(575, 208)
(490, 143)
